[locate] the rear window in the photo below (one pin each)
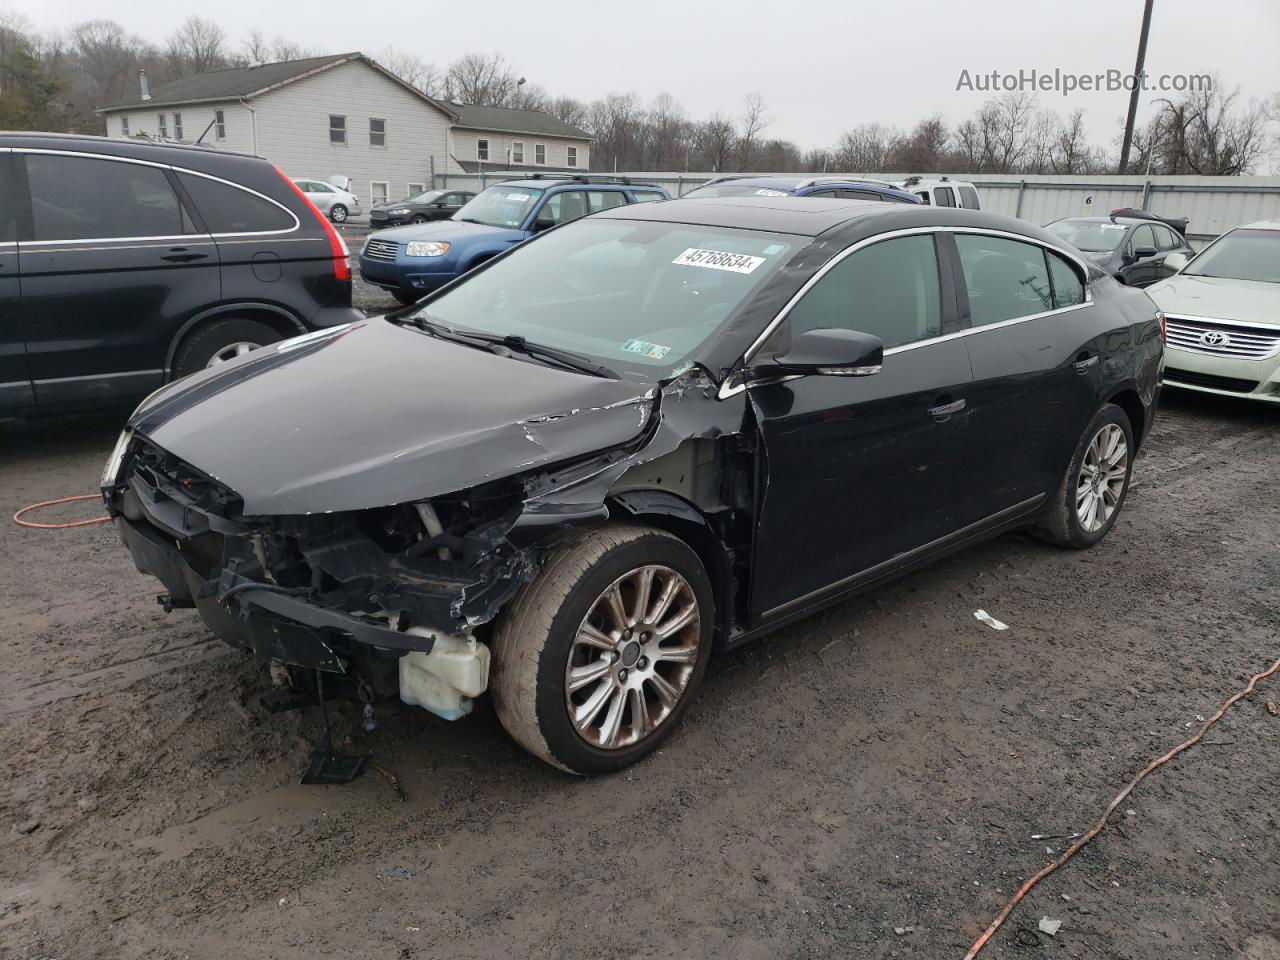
(83, 198)
(229, 209)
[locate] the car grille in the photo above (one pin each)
(377, 214)
(381, 250)
(1192, 379)
(1221, 340)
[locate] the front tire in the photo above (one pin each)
(219, 342)
(338, 213)
(417, 219)
(1096, 481)
(598, 658)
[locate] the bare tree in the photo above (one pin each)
(197, 47)
(413, 70)
(481, 78)
(568, 109)
(923, 150)
(1071, 152)
(752, 123)
(865, 149)
(714, 139)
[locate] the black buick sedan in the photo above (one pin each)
(571, 476)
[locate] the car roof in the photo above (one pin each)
(812, 216)
(1260, 225)
(1124, 220)
(550, 184)
(134, 147)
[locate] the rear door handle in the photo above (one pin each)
(1084, 363)
(183, 255)
(943, 412)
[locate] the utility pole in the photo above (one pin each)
(1137, 86)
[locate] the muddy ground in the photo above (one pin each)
(881, 767)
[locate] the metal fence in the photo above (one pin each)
(1213, 204)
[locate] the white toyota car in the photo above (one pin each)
(1222, 313)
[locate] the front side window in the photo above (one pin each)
(571, 156)
(924, 197)
(1242, 254)
(1143, 238)
(500, 206)
(640, 297)
(1006, 279)
(968, 198)
(890, 289)
(78, 198)
(219, 125)
(337, 129)
(162, 125)
(177, 126)
(228, 209)
(517, 152)
(858, 195)
(482, 149)
(540, 153)
(945, 197)
(378, 192)
(1166, 240)
(377, 133)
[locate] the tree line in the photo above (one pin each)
(56, 81)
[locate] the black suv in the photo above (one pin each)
(124, 264)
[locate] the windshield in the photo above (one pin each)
(501, 206)
(639, 296)
(1241, 255)
(1091, 236)
(731, 188)
(429, 196)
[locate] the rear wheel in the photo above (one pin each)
(338, 213)
(597, 659)
(220, 342)
(1092, 491)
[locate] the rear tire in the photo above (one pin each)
(1093, 489)
(338, 213)
(220, 341)
(592, 686)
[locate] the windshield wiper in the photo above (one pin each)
(471, 220)
(566, 358)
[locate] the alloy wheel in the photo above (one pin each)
(338, 214)
(231, 351)
(1103, 472)
(633, 657)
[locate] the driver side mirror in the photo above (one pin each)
(1142, 253)
(543, 223)
(828, 351)
(1175, 261)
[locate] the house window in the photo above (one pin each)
(219, 125)
(177, 126)
(540, 153)
(124, 126)
(378, 191)
(482, 150)
(337, 129)
(163, 125)
(571, 157)
(415, 189)
(377, 132)
(517, 152)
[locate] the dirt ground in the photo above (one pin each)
(882, 767)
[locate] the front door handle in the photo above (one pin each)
(183, 255)
(1083, 363)
(943, 412)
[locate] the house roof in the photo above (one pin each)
(237, 83)
(509, 120)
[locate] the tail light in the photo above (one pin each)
(337, 246)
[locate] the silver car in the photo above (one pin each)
(336, 202)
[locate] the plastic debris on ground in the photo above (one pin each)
(1050, 927)
(989, 620)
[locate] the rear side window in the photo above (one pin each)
(646, 196)
(1165, 239)
(83, 198)
(945, 197)
(1068, 291)
(969, 198)
(563, 207)
(606, 199)
(889, 289)
(228, 209)
(859, 195)
(1006, 279)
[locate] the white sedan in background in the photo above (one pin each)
(336, 202)
(1223, 315)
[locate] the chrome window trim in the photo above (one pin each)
(730, 388)
(297, 224)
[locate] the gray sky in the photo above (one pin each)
(822, 66)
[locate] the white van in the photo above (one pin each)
(943, 192)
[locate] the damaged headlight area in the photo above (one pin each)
(393, 600)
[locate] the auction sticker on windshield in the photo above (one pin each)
(654, 351)
(517, 196)
(718, 260)
(772, 193)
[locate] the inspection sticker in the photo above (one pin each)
(654, 351)
(718, 260)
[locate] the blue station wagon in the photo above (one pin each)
(414, 260)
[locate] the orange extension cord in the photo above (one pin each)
(17, 517)
(1102, 822)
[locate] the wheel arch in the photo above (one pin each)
(1128, 399)
(278, 318)
(683, 520)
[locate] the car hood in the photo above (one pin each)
(374, 414)
(453, 231)
(1247, 301)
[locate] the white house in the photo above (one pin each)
(345, 114)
